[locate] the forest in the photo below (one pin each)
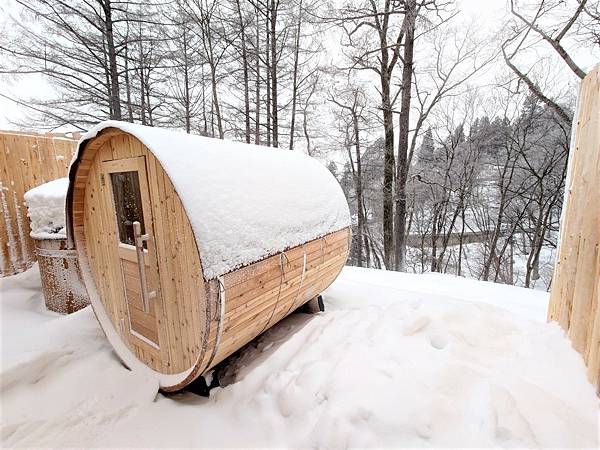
(450, 136)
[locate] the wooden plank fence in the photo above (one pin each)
(26, 161)
(575, 296)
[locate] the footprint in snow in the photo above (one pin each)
(416, 325)
(416, 304)
(439, 341)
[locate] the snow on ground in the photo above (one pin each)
(397, 360)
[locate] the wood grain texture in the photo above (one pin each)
(198, 322)
(262, 294)
(180, 308)
(26, 161)
(575, 296)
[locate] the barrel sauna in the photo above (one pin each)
(190, 247)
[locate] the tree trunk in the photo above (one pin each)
(434, 237)
(403, 132)
(257, 86)
(204, 115)
(186, 83)
(149, 105)
(142, 92)
(115, 100)
(128, 87)
(533, 261)
(388, 172)
(358, 189)
(246, 77)
(306, 135)
(295, 76)
(212, 64)
(274, 6)
(460, 241)
(215, 95)
(268, 69)
(494, 242)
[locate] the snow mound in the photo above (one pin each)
(396, 360)
(245, 202)
(46, 209)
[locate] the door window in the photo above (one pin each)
(128, 204)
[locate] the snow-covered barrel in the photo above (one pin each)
(59, 271)
(190, 247)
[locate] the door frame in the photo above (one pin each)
(127, 251)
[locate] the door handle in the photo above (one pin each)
(139, 250)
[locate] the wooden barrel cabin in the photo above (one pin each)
(190, 247)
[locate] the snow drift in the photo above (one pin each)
(397, 360)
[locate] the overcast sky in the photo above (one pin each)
(488, 14)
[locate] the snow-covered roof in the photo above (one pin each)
(244, 201)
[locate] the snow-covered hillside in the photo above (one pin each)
(397, 360)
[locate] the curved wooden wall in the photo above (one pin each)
(202, 321)
(180, 306)
(258, 296)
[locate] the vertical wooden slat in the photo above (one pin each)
(575, 296)
(26, 161)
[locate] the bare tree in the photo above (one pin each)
(544, 27)
(373, 38)
(245, 66)
(214, 46)
(352, 102)
(184, 75)
(75, 45)
(458, 56)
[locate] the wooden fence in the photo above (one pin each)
(575, 296)
(26, 161)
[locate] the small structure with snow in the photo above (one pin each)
(190, 247)
(46, 209)
(61, 280)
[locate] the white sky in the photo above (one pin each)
(487, 14)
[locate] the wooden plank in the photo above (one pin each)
(173, 307)
(157, 202)
(143, 324)
(239, 337)
(244, 278)
(270, 280)
(574, 300)
(256, 317)
(26, 160)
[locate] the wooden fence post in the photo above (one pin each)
(575, 296)
(26, 161)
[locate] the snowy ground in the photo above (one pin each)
(397, 360)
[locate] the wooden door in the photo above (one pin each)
(127, 183)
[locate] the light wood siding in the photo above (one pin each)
(26, 161)
(180, 306)
(575, 297)
(199, 322)
(261, 294)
